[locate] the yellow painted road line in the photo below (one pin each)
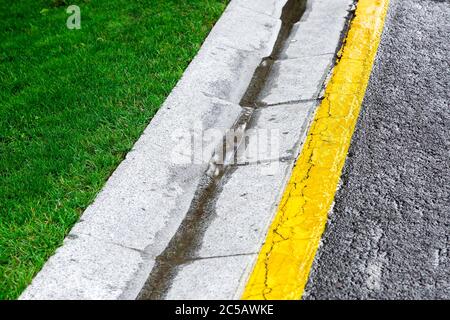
(284, 262)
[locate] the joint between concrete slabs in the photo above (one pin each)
(219, 256)
(280, 104)
(307, 56)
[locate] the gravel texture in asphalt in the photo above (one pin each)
(388, 235)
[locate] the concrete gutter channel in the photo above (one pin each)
(165, 229)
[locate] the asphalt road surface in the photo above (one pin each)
(389, 232)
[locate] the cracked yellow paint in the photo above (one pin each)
(284, 262)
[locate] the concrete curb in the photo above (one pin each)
(143, 207)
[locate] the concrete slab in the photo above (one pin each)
(314, 37)
(256, 32)
(244, 209)
(275, 132)
(296, 79)
(326, 9)
(87, 268)
(227, 273)
(220, 71)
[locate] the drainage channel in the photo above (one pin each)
(184, 244)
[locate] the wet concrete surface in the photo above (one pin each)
(183, 247)
(388, 235)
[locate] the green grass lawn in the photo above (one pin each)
(73, 102)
